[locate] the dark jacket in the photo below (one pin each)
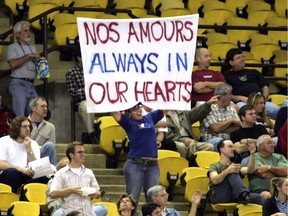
(270, 207)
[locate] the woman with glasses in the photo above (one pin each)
(126, 205)
(141, 169)
(277, 204)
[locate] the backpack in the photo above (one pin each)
(6, 116)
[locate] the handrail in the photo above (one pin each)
(11, 20)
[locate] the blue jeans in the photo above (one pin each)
(271, 109)
(99, 209)
(138, 175)
(214, 141)
(49, 149)
(22, 93)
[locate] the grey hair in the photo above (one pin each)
(222, 89)
(261, 139)
(33, 102)
(153, 191)
(18, 26)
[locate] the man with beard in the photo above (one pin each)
(43, 132)
(21, 57)
(17, 150)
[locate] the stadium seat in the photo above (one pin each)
(209, 5)
(6, 199)
(36, 193)
(281, 8)
(37, 7)
(165, 5)
(162, 153)
(88, 4)
(194, 5)
(175, 12)
(191, 172)
(255, 5)
(138, 12)
(280, 55)
(23, 208)
(215, 37)
(196, 126)
(107, 16)
(257, 39)
(258, 17)
(170, 175)
(258, 53)
(224, 207)
(252, 61)
(249, 209)
(112, 208)
(281, 72)
(65, 3)
(199, 182)
(217, 16)
(235, 6)
(276, 21)
(205, 158)
(65, 22)
(5, 188)
(15, 5)
(129, 4)
(219, 50)
(246, 181)
(278, 98)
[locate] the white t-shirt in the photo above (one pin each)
(15, 153)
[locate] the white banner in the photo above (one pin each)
(138, 60)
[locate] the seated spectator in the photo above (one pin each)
(267, 165)
(277, 204)
(76, 88)
(159, 195)
(225, 177)
(257, 100)
(248, 133)
(281, 118)
(282, 141)
(126, 205)
(223, 118)
(6, 116)
(204, 81)
(17, 150)
(69, 181)
(180, 130)
(43, 132)
(151, 209)
(245, 81)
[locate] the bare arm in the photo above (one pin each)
(196, 199)
(25, 170)
(265, 92)
(242, 146)
(15, 63)
(203, 87)
(251, 164)
(239, 98)
(116, 115)
(218, 178)
(61, 193)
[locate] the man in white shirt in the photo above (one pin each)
(17, 150)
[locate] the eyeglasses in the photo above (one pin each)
(80, 152)
(163, 195)
(238, 58)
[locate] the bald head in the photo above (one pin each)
(203, 58)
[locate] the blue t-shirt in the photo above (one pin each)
(141, 134)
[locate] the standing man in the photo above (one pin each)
(204, 81)
(76, 88)
(21, 57)
(267, 165)
(248, 133)
(223, 118)
(226, 184)
(43, 132)
(245, 81)
(69, 182)
(17, 149)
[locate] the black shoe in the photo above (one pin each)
(244, 198)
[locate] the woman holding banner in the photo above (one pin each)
(141, 168)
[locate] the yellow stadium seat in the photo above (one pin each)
(215, 37)
(246, 181)
(200, 182)
(194, 5)
(224, 207)
(255, 5)
(165, 5)
(234, 5)
(252, 61)
(196, 126)
(6, 199)
(205, 158)
(112, 208)
(209, 5)
(249, 209)
(162, 153)
(281, 7)
(111, 132)
(280, 55)
(278, 99)
(129, 4)
(191, 172)
(258, 17)
(219, 50)
(65, 3)
(217, 16)
(136, 11)
(36, 193)
(5, 188)
(281, 72)
(23, 208)
(276, 21)
(15, 5)
(258, 53)
(257, 39)
(175, 12)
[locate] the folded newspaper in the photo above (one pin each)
(41, 167)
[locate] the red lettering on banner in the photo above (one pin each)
(101, 32)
